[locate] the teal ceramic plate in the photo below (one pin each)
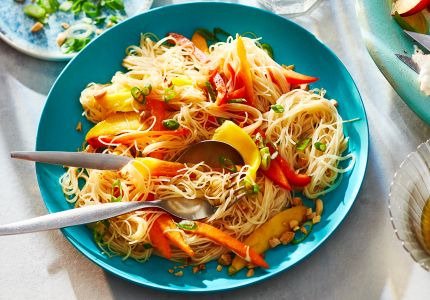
(97, 63)
(15, 27)
(383, 37)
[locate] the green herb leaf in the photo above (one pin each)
(98, 238)
(114, 4)
(222, 161)
(115, 19)
(277, 108)
(99, 20)
(210, 91)
(170, 124)
(405, 25)
(303, 143)
(118, 184)
(268, 50)
(169, 93)
(236, 101)
(187, 225)
(320, 146)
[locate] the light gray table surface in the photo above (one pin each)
(362, 259)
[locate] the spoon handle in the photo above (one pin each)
(71, 217)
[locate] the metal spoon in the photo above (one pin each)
(189, 209)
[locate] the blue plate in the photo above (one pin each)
(15, 27)
(383, 38)
(97, 63)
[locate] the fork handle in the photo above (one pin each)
(71, 217)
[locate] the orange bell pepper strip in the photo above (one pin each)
(216, 79)
(245, 73)
(227, 241)
(200, 43)
(157, 110)
(297, 78)
(237, 94)
(166, 222)
(299, 180)
(98, 142)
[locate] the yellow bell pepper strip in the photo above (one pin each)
(116, 123)
(181, 81)
(227, 241)
(259, 239)
(98, 142)
(245, 73)
(297, 78)
(232, 134)
(200, 43)
(120, 101)
(216, 79)
(166, 222)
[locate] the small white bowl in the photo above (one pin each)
(409, 193)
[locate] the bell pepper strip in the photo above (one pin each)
(237, 94)
(115, 123)
(245, 73)
(297, 78)
(299, 180)
(181, 81)
(216, 79)
(120, 101)
(157, 110)
(166, 222)
(98, 142)
(229, 242)
(276, 175)
(159, 240)
(200, 43)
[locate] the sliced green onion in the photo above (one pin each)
(221, 120)
(115, 19)
(278, 109)
(187, 225)
(222, 161)
(73, 45)
(265, 158)
(87, 20)
(46, 5)
(251, 190)
(207, 35)
(90, 9)
(98, 238)
(169, 93)
(147, 246)
(258, 139)
(34, 11)
(77, 6)
(303, 143)
(320, 146)
(275, 154)
(210, 91)
(147, 89)
(170, 124)
(118, 184)
(114, 4)
(99, 20)
(307, 223)
(66, 5)
(236, 101)
(138, 95)
(268, 50)
(219, 30)
(71, 32)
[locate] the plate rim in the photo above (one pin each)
(251, 280)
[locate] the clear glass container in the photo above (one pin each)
(281, 7)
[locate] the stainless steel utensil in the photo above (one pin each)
(423, 40)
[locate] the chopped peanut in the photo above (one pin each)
(219, 268)
(170, 271)
(297, 201)
(99, 31)
(109, 25)
(311, 216)
(290, 67)
(79, 127)
(308, 211)
(304, 87)
(180, 267)
(302, 161)
(319, 207)
(287, 237)
(317, 219)
(36, 27)
(202, 267)
(251, 266)
(296, 228)
(99, 94)
(250, 273)
(65, 25)
(273, 242)
(195, 270)
(61, 37)
(304, 230)
(293, 223)
(179, 274)
(225, 259)
(185, 265)
(334, 102)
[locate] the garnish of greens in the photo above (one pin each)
(266, 157)
(210, 91)
(140, 94)
(320, 146)
(206, 34)
(170, 124)
(232, 167)
(416, 22)
(117, 183)
(169, 93)
(268, 49)
(187, 225)
(78, 35)
(98, 238)
(298, 241)
(251, 190)
(277, 109)
(303, 143)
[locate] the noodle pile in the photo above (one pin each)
(307, 114)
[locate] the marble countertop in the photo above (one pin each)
(363, 259)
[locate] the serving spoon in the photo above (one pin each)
(188, 209)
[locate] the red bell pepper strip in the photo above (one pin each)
(166, 222)
(237, 94)
(299, 180)
(128, 139)
(276, 175)
(216, 79)
(297, 78)
(227, 241)
(245, 73)
(157, 110)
